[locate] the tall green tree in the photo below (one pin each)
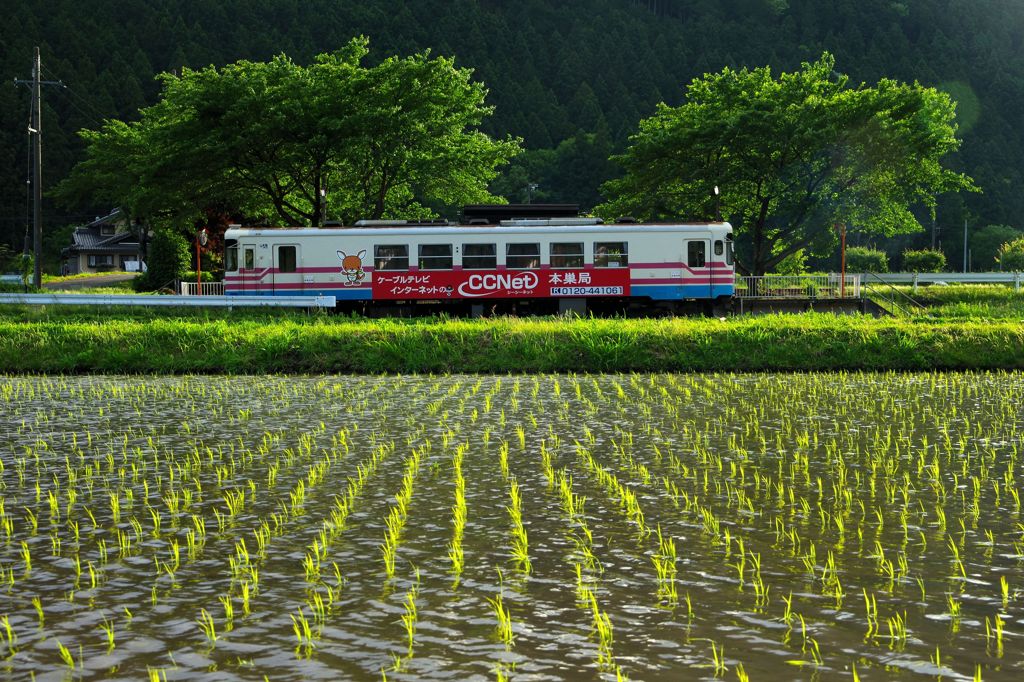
(299, 144)
(791, 156)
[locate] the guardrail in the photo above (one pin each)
(831, 286)
(172, 301)
(915, 278)
(207, 289)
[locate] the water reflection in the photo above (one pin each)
(820, 522)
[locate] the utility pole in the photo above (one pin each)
(965, 245)
(35, 131)
(37, 174)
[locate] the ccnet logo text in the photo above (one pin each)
(496, 283)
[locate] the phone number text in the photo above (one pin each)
(586, 291)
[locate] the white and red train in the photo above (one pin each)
(546, 264)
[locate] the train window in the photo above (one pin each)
(250, 258)
(719, 247)
(566, 254)
(391, 257)
(611, 254)
(728, 252)
(286, 259)
(230, 255)
(479, 256)
(435, 256)
(696, 256)
(522, 256)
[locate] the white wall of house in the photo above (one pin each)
(98, 263)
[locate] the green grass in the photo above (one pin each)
(123, 287)
(80, 277)
(965, 327)
(318, 344)
(72, 284)
(971, 301)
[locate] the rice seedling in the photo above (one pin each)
(38, 605)
(665, 567)
(897, 625)
(65, 656)
(603, 628)
(305, 641)
(107, 626)
(10, 639)
(718, 659)
(229, 612)
(411, 616)
(208, 627)
(455, 550)
(395, 521)
(504, 632)
(520, 542)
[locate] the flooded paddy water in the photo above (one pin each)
(850, 526)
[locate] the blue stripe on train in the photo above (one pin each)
(671, 292)
(340, 294)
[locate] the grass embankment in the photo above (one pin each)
(970, 301)
(324, 344)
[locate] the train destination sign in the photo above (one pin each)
(500, 283)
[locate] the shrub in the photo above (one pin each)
(985, 244)
(925, 260)
(169, 259)
(207, 276)
(1011, 255)
(27, 268)
(863, 259)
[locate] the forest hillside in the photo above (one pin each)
(571, 79)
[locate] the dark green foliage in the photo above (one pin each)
(924, 260)
(299, 144)
(863, 259)
(553, 69)
(206, 275)
(786, 158)
(170, 255)
(571, 173)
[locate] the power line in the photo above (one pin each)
(51, 219)
(92, 116)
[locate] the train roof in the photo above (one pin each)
(526, 226)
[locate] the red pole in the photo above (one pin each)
(199, 269)
(842, 261)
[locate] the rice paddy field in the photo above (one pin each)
(645, 526)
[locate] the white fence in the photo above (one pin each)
(207, 289)
(799, 286)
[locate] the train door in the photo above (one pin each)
(247, 269)
(697, 273)
(285, 275)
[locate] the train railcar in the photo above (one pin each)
(541, 265)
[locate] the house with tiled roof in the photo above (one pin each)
(104, 245)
